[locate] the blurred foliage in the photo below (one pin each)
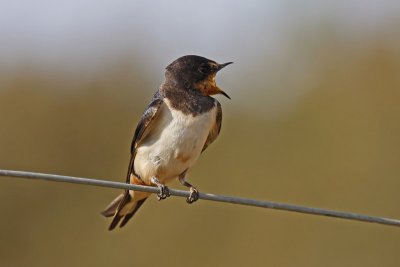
(338, 147)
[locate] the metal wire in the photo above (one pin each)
(205, 196)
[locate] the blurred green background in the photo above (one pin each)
(313, 120)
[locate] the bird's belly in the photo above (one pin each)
(173, 146)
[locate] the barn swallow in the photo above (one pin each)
(180, 122)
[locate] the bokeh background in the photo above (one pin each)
(313, 120)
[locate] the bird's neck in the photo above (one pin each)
(186, 98)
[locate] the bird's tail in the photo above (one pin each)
(123, 206)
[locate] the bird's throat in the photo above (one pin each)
(208, 86)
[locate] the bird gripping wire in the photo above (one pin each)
(205, 196)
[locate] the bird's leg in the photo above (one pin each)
(164, 191)
(194, 193)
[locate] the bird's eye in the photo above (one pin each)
(205, 68)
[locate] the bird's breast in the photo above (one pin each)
(173, 144)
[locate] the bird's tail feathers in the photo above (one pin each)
(128, 216)
(124, 207)
(111, 209)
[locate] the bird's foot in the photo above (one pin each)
(164, 190)
(194, 195)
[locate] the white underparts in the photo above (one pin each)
(173, 143)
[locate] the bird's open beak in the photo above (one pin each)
(224, 94)
(220, 67)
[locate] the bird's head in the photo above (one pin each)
(196, 72)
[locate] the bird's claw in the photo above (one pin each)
(194, 195)
(164, 192)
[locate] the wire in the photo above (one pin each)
(205, 196)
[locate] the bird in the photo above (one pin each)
(180, 122)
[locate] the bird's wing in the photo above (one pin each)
(143, 128)
(215, 129)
